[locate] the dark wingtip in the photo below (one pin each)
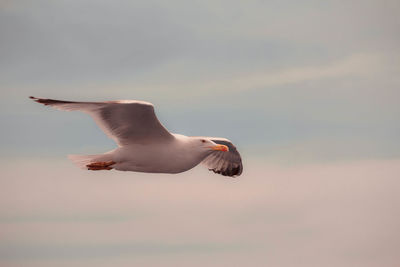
(35, 99)
(38, 100)
(231, 172)
(41, 100)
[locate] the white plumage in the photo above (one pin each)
(145, 145)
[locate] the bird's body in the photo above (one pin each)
(169, 157)
(144, 145)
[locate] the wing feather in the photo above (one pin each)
(126, 121)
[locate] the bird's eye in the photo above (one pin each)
(203, 141)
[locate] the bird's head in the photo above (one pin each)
(208, 145)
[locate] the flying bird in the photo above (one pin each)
(145, 145)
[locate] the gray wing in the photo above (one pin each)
(224, 163)
(125, 121)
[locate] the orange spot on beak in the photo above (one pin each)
(220, 148)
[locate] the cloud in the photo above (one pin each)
(51, 211)
(354, 65)
(285, 72)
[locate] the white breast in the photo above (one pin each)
(171, 157)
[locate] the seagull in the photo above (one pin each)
(145, 145)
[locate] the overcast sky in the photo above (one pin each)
(307, 90)
(317, 77)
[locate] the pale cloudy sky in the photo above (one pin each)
(308, 90)
(267, 74)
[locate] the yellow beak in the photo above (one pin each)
(220, 148)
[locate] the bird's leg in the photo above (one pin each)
(97, 166)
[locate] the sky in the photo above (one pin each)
(307, 90)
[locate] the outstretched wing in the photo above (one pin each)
(225, 163)
(125, 121)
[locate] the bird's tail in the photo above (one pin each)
(83, 160)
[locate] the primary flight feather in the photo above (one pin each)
(145, 145)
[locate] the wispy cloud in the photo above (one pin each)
(358, 64)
